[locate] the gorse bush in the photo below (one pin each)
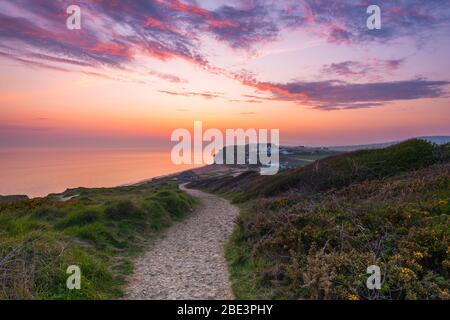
(99, 231)
(176, 203)
(311, 233)
(47, 211)
(323, 245)
(123, 209)
(158, 214)
(80, 218)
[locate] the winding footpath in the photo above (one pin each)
(188, 263)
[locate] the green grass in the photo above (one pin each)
(101, 231)
(245, 269)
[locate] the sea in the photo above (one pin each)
(37, 172)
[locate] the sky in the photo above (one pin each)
(137, 70)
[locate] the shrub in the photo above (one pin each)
(158, 216)
(80, 218)
(176, 203)
(332, 219)
(123, 209)
(48, 212)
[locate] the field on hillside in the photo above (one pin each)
(311, 232)
(100, 230)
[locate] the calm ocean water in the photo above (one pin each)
(38, 172)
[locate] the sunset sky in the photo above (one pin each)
(137, 70)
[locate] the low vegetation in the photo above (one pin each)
(311, 233)
(100, 230)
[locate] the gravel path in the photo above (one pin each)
(188, 262)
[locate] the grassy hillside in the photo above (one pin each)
(332, 172)
(310, 233)
(100, 231)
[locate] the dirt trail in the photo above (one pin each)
(188, 263)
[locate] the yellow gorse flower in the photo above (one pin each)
(418, 255)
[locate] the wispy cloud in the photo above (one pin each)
(357, 69)
(114, 33)
(33, 63)
(205, 94)
(168, 77)
(336, 94)
(345, 21)
(246, 101)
